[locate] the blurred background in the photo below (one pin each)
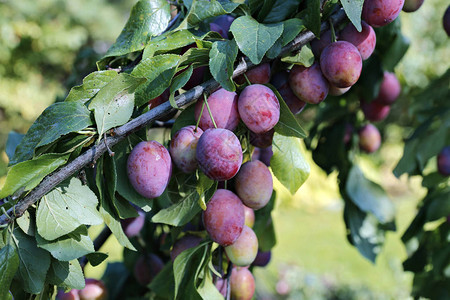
(48, 46)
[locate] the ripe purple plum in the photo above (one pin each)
(375, 111)
(164, 97)
(70, 295)
(132, 226)
(446, 21)
(258, 75)
(281, 82)
(219, 154)
(369, 138)
(378, 13)
(308, 84)
(317, 45)
(259, 108)
(224, 217)
(249, 216)
(265, 155)
(242, 284)
(183, 148)
(364, 41)
(243, 251)
(262, 258)
(221, 25)
(390, 89)
(335, 91)
(341, 64)
(254, 184)
(93, 290)
(147, 267)
(443, 161)
(412, 5)
(197, 74)
(348, 133)
(224, 109)
(262, 140)
(221, 285)
(149, 168)
(186, 242)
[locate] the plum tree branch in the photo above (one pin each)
(96, 151)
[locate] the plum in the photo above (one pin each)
(265, 154)
(164, 97)
(70, 295)
(242, 284)
(317, 45)
(147, 267)
(224, 109)
(254, 184)
(243, 251)
(369, 138)
(281, 82)
(375, 111)
(335, 91)
(197, 74)
(249, 216)
(186, 242)
(308, 84)
(412, 5)
(341, 64)
(364, 41)
(262, 140)
(132, 226)
(378, 13)
(149, 168)
(93, 290)
(219, 154)
(183, 148)
(348, 133)
(443, 161)
(446, 21)
(390, 89)
(262, 258)
(259, 74)
(221, 285)
(259, 108)
(221, 25)
(224, 217)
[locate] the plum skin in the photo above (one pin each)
(243, 251)
(341, 64)
(70, 295)
(446, 21)
(254, 184)
(317, 45)
(308, 84)
(221, 25)
(262, 140)
(249, 216)
(219, 154)
(259, 108)
(149, 168)
(147, 267)
(183, 148)
(258, 75)
(132, 226)
(390, 89)
(281, 82)
(375, 111)
(378, 13)
(242, 284)
(412, 5)
(443, 161)
(224, 217)
(224, 109)
(364, 41)
(186, 242)
(93, 289)
(369, 138)
(262, 258)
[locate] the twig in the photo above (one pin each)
(96, 151)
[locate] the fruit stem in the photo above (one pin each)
(246, 79)
(333, 33)
(209, 111)
(198, 120)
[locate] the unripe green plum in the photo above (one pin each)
(147, 267)
(364, 41)
(186, 242)
(93, 290)
(219, 154)
(249, 216)
(259, 74)
(369, 138)
(183, 148)
(224, 217)
(243, 251)
(224, 109)
(341, 64)
(308, 84)
(242, 284)
(259, 108)
(149, 168)
(412, 5)
(254, 184)
(378, 13)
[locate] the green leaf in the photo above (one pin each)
(255, 39)
(33, 262)
(152, 67)
(116, 228)
(221, 63)
(57, 120)
(114, 103)
(206, 289)
(154, 88)
(287, 124)
(96, 258)
(287, 152)
(203, 185)
(178, 82)
(9, 264)
(164, 284)
(186, 118)
(353, 9)
(13, 141)
(439, 205)
(369, 196)
(27, 225)
(65, 208)
(179, 213)
(312, 16)
(168, 41)
(66, 248)
(292, 28)
(67, 274)
(281, 10)
(91, 85)
(196, 56)
(263, 226)
(115, 277)
(147, 19)
(28, 174)
(304, 57)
